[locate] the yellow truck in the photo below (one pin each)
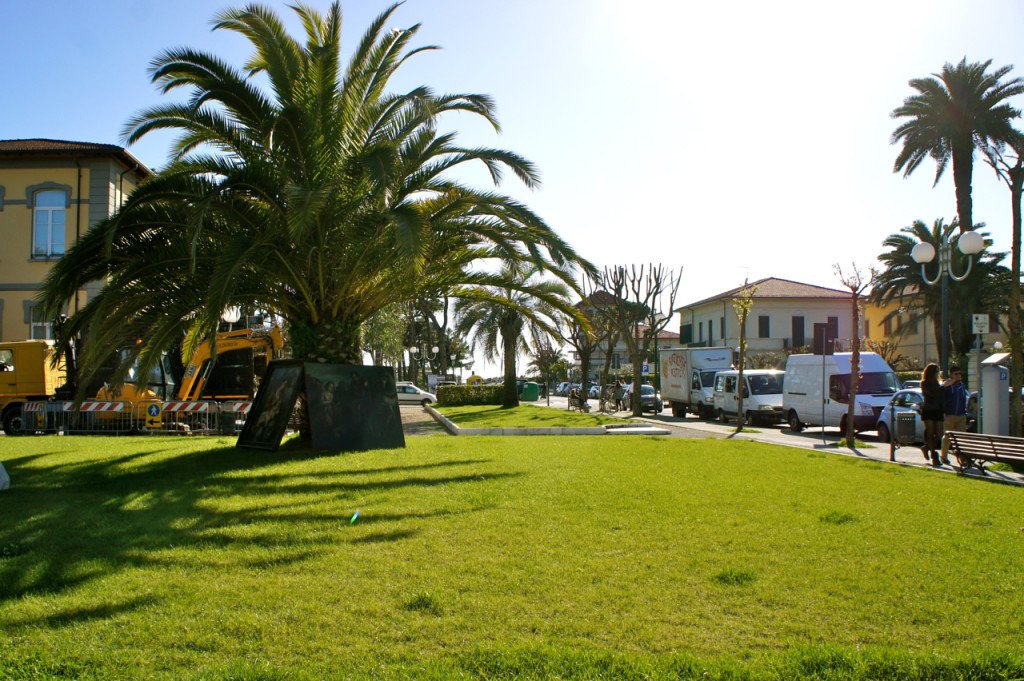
(26, 374)
(233, 373)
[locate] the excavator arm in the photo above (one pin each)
(262, 346)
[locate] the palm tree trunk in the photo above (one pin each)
(510, 394)
(1016, 349)
(963, 169)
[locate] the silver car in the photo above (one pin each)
(903, 401)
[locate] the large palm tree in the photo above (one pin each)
(501, 320)
(962, 108)
(900, 280)
(300, 185)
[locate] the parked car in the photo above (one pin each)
(563, 389)
(410, 394)
(911, 384)
(902, 401)
(650, 399)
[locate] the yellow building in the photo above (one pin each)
(902, 330)
(52, 192)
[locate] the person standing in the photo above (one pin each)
(932, 413)
(617, 394)
(954, 405)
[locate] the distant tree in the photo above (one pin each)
(742, 303)
(384, 335)
(855, 280)
(545, 360)
(962, 108)
(638, 295)
(502, 320)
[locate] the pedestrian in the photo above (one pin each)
(617, 394)
(932, 413)
(954, 405)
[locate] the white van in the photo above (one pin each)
(804, 398)
(762, 399)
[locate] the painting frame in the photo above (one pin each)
(272, 407)
(353, 407)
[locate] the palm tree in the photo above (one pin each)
(299, 185)
(962, 108)
(984, 290)
(502, 320)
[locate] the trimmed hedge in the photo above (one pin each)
(908, 375)
(463, 395)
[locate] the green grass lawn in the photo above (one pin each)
(524, 416)
(547, 557)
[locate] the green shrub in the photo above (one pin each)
(462, 395)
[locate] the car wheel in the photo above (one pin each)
(721, 417)
(425, 402)
(794, 421)
(678, 410)
(13, 424)
(883, 432)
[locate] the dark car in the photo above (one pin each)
(650, 399)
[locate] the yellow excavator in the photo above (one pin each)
(27, 374)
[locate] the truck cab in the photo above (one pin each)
(26, 373)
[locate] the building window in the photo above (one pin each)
(686, 333)
(40, 328)
(887, 327)
(48, 224)
(798, 332)
(711, 331)
(721, 326)
(700, 332)
(867, 329)
(763, 328)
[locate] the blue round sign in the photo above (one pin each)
(153, 410)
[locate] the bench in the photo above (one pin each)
(577, 404)
(977, 449)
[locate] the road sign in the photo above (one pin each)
(646, 369)
(980, 323)
(154, 417)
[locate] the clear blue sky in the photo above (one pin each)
(729, 139)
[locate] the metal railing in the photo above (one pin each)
(150, 417)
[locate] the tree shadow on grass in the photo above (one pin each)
(68, 524)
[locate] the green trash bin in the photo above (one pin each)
(530, 392)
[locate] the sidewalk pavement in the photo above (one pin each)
(813, 439)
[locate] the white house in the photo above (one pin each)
(782, 316)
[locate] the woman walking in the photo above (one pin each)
(932, 413)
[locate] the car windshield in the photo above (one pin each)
(767, 384)
(647, 390)
(707, 378)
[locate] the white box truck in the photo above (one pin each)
(821, 383)
(762, 399)
(688, 378)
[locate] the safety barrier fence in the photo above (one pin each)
(117, 418)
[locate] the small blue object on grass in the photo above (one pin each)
(355, 517)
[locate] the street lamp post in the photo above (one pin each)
(416, 352)
(969, 243)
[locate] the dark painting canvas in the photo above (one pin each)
(353, 407)
(273, 405)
